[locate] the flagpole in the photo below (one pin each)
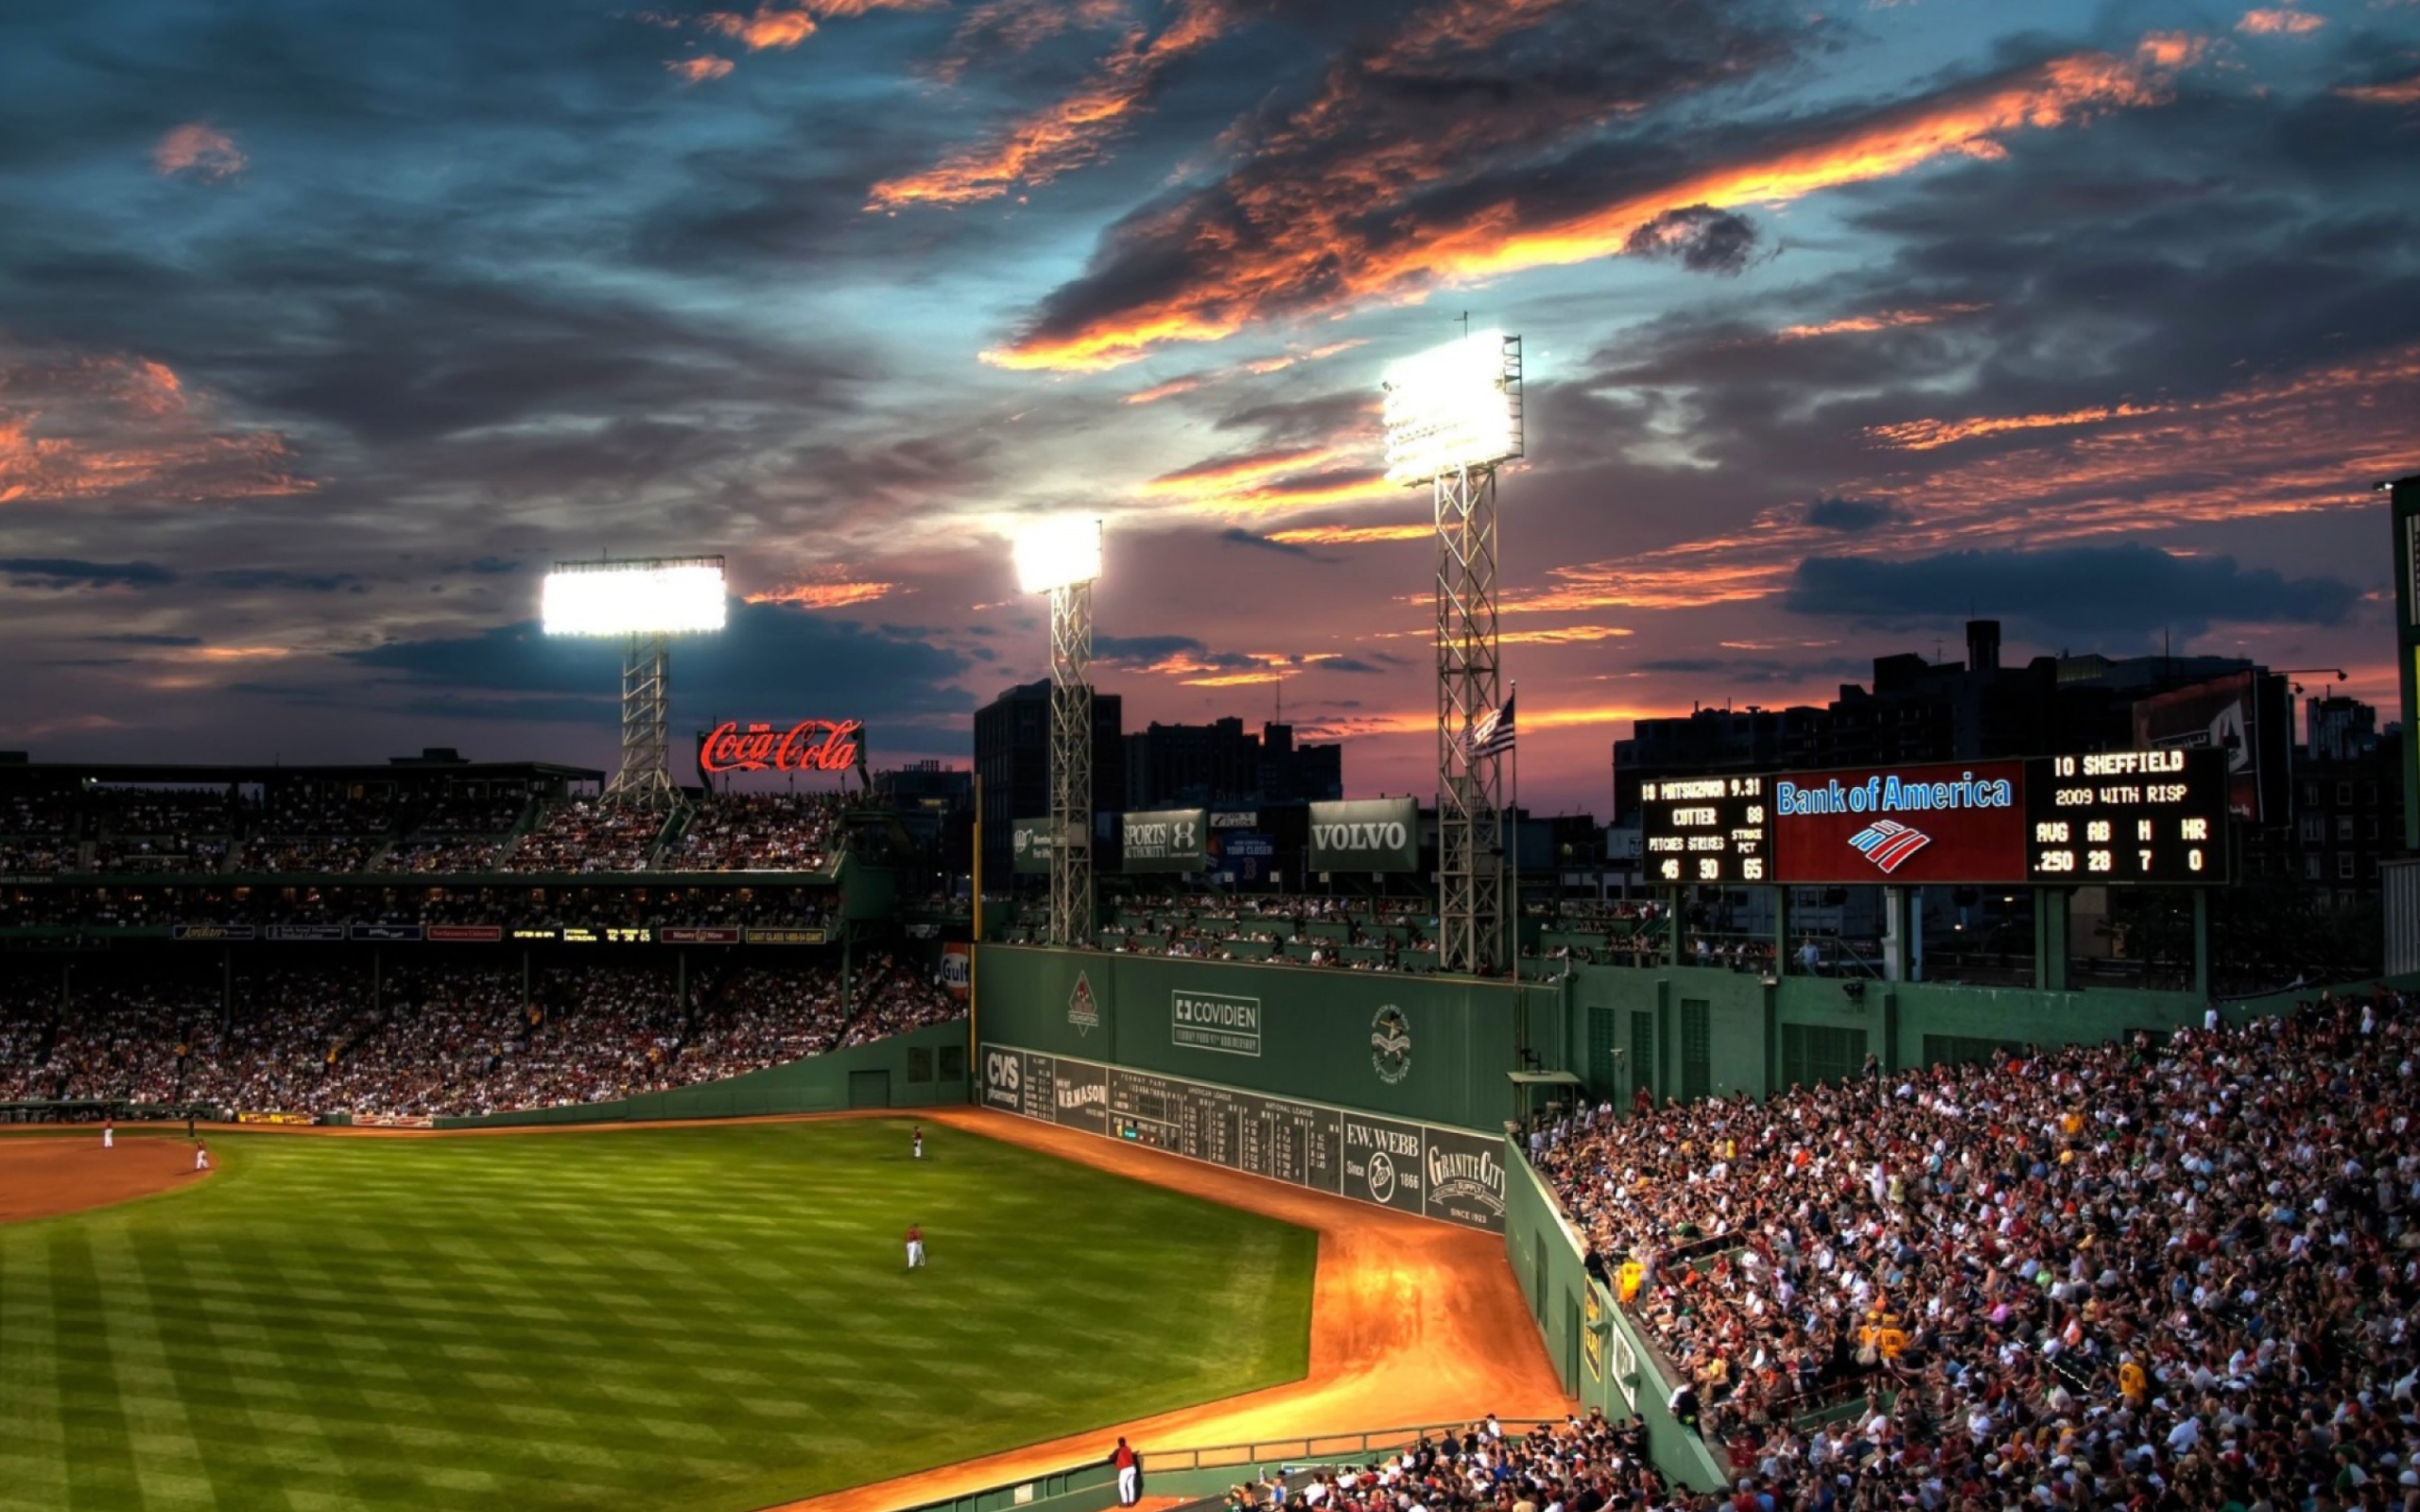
(1510, 701)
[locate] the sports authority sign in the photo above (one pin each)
(1166, 840)
(808, 745)
(1365, 835)
(1453, 1176)
(1901, 826)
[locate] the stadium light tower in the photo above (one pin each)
(1063, 558)
(1453, 414)
(643, 603)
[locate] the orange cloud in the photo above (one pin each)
(1067, 134)
(82, 428)
(1326, 245)
(2291, 444)
(199, 150)
(1567, 635)
(2172, 49)
(1258, 368)
(2279, 22)
(2401, 91)
(1166, 390)
(778, 27)
(1925, 435)
(830, 595)
(700, 70)
(1005, 27)
(1350, 535)
(1880, 320)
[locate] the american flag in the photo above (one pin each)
(1491, 735)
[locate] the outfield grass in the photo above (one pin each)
(697, 1318)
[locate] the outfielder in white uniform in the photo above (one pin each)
(919, 1145)
(108, 1135)
(201, 1158)
(915, 1248)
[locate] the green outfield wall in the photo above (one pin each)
(1599, 1353)
(922, 1068)
(1434, 1050)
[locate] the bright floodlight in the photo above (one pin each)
(1455, 406)
(655, 596)
(1057, 553)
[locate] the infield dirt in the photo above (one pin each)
(44, 1175)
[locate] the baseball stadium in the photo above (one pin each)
(450, 1133)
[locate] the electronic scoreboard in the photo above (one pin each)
(1710, 829)
(2143, 817)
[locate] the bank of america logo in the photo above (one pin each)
(1887, 843)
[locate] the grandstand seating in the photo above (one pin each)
(463, 1034)
(2114, 1276)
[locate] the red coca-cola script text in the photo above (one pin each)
(809, 746)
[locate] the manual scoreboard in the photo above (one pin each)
(1706, 829)
(2141, 817)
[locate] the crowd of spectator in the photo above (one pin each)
(759, 832)
(306, 830)
(458, 1036)
(1580, 1465)
(2123, 1276)
(508, 906)
(586, 836)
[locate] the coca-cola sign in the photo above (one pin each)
(809, 746)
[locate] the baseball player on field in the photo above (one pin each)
(917, 1144)
(915, 1248)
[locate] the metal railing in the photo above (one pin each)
(1253, 1456)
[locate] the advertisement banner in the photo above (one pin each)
(1384, 1161)
(384, 934)
(2247, 716)
(806, 746)
(1166, 840)
(1080, 1095)
(1901, 826)
(213, 933)
(1030, 847)
(1465, 1179)
(1004, 1079)
(699, 935)
(1215, 1020)
(295, 932)
(1366, 835)
(465, 934)
(956, 967)
(754, 935)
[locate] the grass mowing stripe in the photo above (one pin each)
(33, 1440)
(160, 1437)
(686, 1319)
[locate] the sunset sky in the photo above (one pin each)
(325, 326)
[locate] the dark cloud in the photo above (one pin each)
(1145, 648)
(251, 579)
(2079, 592)
(1238, 536)
(1700, 237)
(751, 670)
(1850, 517)
(73, 572)
(135, 639)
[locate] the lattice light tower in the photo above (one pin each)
(644, 604)
(1453, 414)
(1063, 558)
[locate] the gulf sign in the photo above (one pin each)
(808, 745)
(1901, 826)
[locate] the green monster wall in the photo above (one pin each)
(1308, 1032)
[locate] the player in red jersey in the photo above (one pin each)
(915, 1248)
